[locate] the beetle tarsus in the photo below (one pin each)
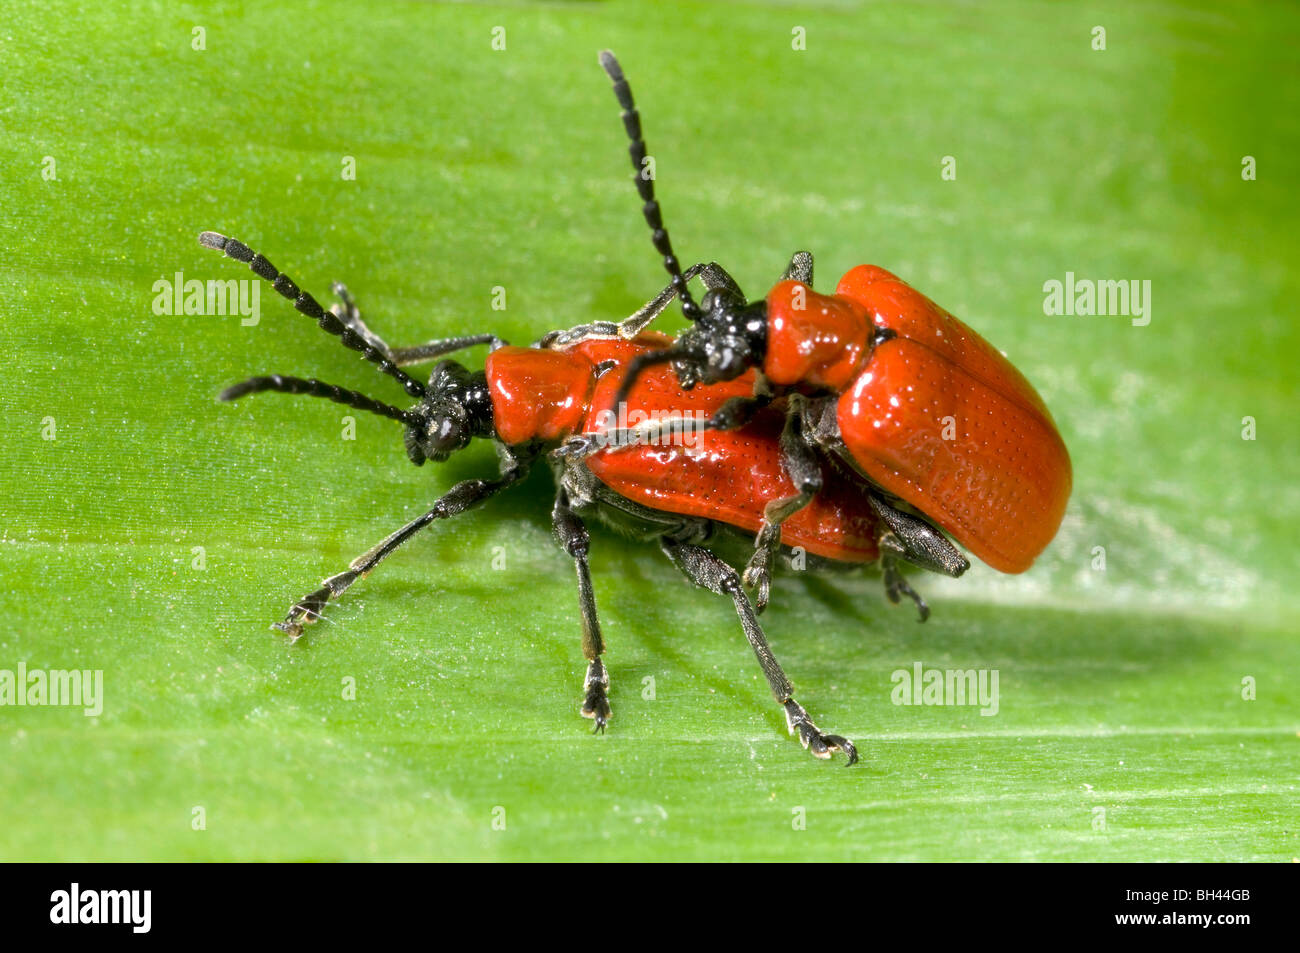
(896, 586)
(310, 608)
(596, 705)
(810, 736)
(758, 577)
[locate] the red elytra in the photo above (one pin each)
(935, 415)
(727, 476)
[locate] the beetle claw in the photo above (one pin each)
(310, 608)
(810, 736)
(596, 704)
(758, 578)
(896, 586)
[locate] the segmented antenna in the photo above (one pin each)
(310, 306)
(645, 185)
(315, 388)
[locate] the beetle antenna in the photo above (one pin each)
(315, 388)
(645, 185)
(309, 306)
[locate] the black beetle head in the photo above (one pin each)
(729, 337)
(456, 408)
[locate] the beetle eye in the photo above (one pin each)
(444, 435)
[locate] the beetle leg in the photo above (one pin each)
(735, 412)
(903, 534)
(800, 268)
(348, 312)
(738, 411)
(712, 274)
(455, 501)
(705, 569)
(922, 544)
(573, 538)
(581, 446)
(420, 353)
(577, 334)
(800, 464)
(891, 549)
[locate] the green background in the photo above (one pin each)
(1120, 689)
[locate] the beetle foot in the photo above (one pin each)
(758, 577)
(596, 705)
(309, 609)
(896, 586)
(347, 311)
(579, 447)
(810, 736)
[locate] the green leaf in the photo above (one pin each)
(157, 535)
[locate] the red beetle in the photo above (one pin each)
(686, 485)
(877, 375)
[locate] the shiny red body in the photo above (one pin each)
(729, 476)
(935, 415)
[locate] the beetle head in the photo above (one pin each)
(729, 337)
(455, 408)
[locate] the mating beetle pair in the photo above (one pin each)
(883, 378)
(817, 426)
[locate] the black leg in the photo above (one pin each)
(738, 411)
(455, 501)
(735, 412)
(800, 268)
(660, 430)
(800, 463)
(896, 584)
(405, 356)
(922, 544)
(712, 274)
(901, 535)
(573, 538)
(347, 311)
(705, 569)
